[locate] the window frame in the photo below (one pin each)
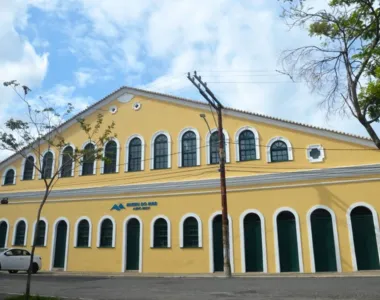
(113, 232)
(24, 164)
(152, 232)
(282, 139)
(197, 142)
(11, 168)
(227, 145)
(152, 148)
(182, 231)
(76, 232)
(15, 232)
(82, 158)
(127, 146)
(42, 163)
(320, 148)
(237, 142)
(117, 156)
(46, 232)
(61, 161)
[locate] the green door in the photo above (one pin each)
(253, 243)
(323, 241)
(363, 231)
(60, 245)
(133, 244)
(287, 242)
(218, 243)
(3, 234)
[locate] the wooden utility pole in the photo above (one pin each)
(214, 102)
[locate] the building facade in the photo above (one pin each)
(300, 198)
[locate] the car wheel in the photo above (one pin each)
(12, 271)
(35, 268)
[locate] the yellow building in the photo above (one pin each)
(300, 198)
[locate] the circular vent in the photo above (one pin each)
(136, 105)
(113, 109)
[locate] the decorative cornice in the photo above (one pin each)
(288, 177)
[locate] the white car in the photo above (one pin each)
(15, 259)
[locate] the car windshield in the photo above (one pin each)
(3, 249)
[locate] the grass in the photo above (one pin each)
(22, 297)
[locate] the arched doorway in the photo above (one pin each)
(323, 241)
(287, 242)
(253, 247)
(60, 245)
(133, 245)
(3, 233)
(365, 244)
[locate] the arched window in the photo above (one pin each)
(88, 162)
(247, 146)
(160, 233)
(161, 152)
(190, 233)
(28, 168)
(40, 240)
(106, 234)
(67, 162)
(20, 235)
(83, 234)
(134, 155)
(3, 233)
(214, 148)
(110, 154)
(279, 152)
(10, 177)
(189, 149)
(47, 165)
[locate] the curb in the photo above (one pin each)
(47, 296)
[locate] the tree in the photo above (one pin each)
(42, 130)
(345, 65)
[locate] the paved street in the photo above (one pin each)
(143, 288)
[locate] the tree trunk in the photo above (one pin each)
(370, 131)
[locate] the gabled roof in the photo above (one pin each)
(333, 134)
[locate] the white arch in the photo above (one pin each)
(125, 223)
(5, 173)
(113, 230)
(263, 238)
(7, 233)
(61, 158)
(282, 139)
(211, 243)
(15, 230)
(42, 162)
(46, 230)
(152, 230)
(198, 145)
(117, 155)
(89, 230)
(257, 141)
(52, 254)
(298, 232)
(24, 162)
(227, 144)
(350, 233)
(181, 236)
(169, 148)
(335, 232)
(127, 151)
(81, 164)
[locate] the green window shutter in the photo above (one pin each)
(160, 239)
(40, 240)
(190, 233)
(253, 243)
(106, 234)
(83, 233)
(3, 234)
(20, 234)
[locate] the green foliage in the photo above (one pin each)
(22, 297)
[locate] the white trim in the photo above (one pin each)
(46, 231)
(23, 165)
(298, 232)
(211, 243)
(127, 151)
(123, 259)
(335, 233)
(152, 148)
(198, 145)
(7, 233)
(117, 155)
(42, 162)
(15, 230)
(319, 159)
(263, 238)
(5, 173)
(282, 139)
(100, 231)
(61, 158)
(152, 230)
(200, 240)
(81, 160)
(89, 230)
(53, 242)
(350, 233)
(227, 144)
(257, 141)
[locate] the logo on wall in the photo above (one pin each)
(134, 206)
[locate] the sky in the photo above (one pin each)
(80, 51)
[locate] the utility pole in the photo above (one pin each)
(214, 102)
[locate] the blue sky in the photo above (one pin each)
(82, 50)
